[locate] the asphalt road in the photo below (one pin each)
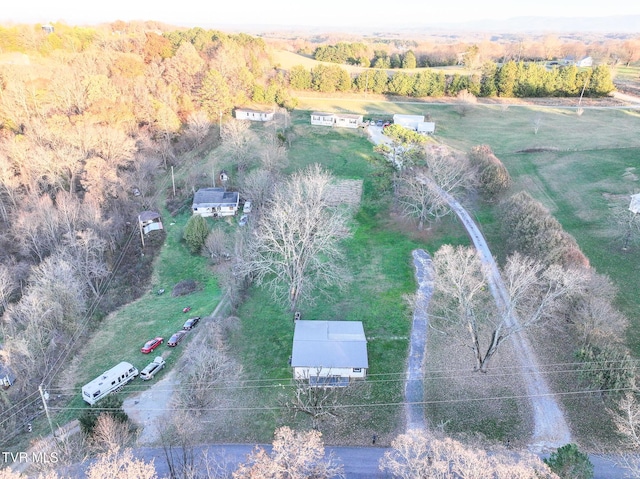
(359, 462)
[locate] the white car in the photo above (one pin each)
(247, 207)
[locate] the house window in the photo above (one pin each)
(357, 370)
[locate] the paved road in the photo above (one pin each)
(359, 462)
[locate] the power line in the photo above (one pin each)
(369, 405)
(371, 379)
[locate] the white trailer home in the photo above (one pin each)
(108, 382)
(253, 115)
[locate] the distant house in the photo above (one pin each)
(215, 202)
(253, 115)
(571, 60)
(329, 353)
(426, 127)
(342, 120)
(48, 28)
(347, 120)
(322, 119)
(585, 62)
(408, 121)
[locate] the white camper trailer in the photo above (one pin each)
(108, 382)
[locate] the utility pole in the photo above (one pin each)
(173, 181)
(141, 232)
(44, 396)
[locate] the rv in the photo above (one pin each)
(108, 382)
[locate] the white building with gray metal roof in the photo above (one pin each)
(329, 352)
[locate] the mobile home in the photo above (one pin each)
(108, 382)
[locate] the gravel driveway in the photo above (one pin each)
(550, 427)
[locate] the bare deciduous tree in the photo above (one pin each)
(206, 366)
(466, 101)
(419, 189)
(419, 454)
(110, 435)
(121, 465)
(627, 420)
(7, 287)
(464, 308)
(593, 314)
(273, 155)
(296, 244)
(217, 246)
(178, 442)
(198, 125)
(239, 143)
(258, 186)
(314, 401)
(295, 455)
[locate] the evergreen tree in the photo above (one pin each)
(409, 60)
(299, 78)
(195, 233)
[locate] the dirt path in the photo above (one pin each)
(551, 429)
(414, 382)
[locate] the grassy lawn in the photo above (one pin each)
(121, 334)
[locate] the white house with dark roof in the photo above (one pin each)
(329, 353)
(215, 202)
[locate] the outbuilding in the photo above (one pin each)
(329, 353)
(408, 121)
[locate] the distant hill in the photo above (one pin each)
(611, 24)
(616, 25)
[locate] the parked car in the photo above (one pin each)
(152, 368)
(176, 338)
(379, 123)
(247, 207)
(191, 323)
(243, 220)
(151, 345)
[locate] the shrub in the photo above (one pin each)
(569, 463)
(111, 405)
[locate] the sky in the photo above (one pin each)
(324, 13)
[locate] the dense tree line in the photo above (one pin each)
(509, 80)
